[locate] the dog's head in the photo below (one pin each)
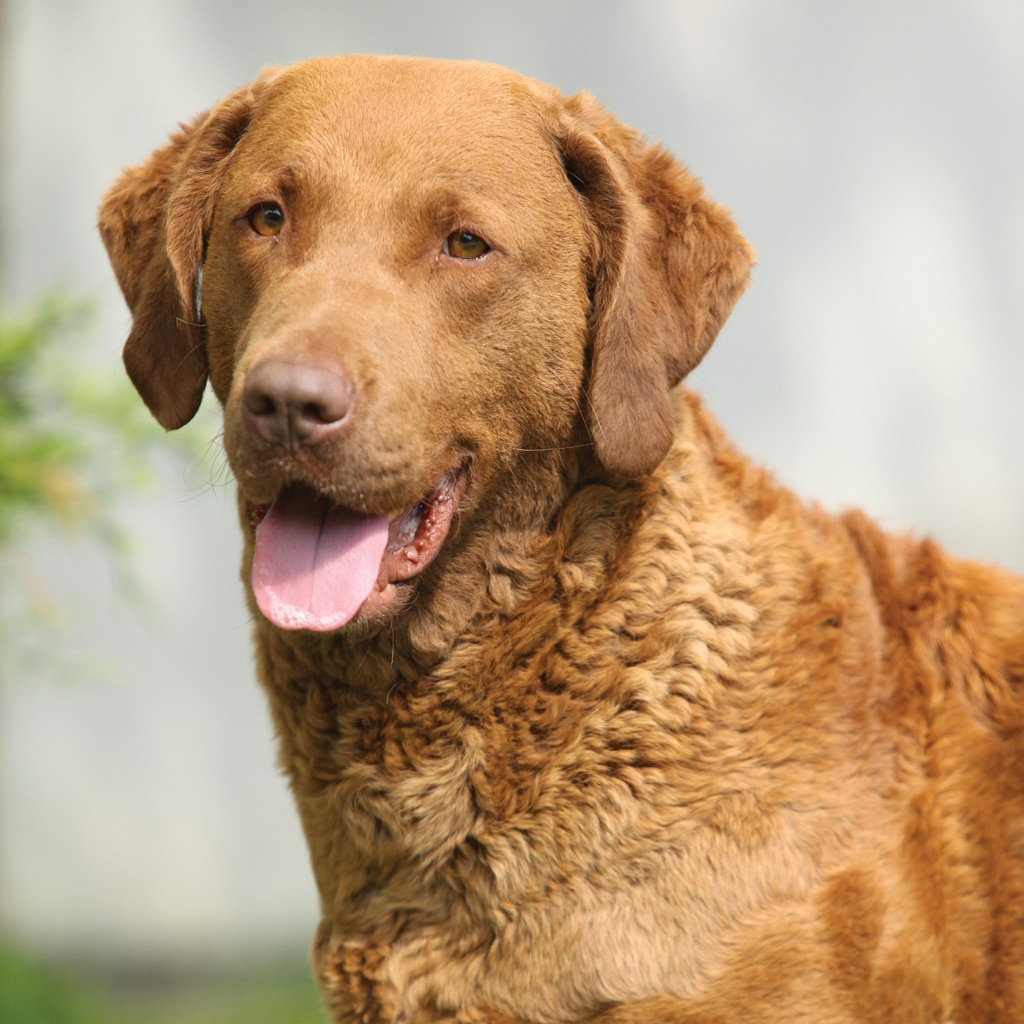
(399, 276)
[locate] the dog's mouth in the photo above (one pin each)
(318, 565)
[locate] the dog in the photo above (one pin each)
(586, 718)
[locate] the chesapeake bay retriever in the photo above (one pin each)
(586, 717)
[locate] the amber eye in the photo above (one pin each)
(266, 219)
(464, 245)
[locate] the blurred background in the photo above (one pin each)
(151, 867)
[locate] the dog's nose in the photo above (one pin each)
(293, 404)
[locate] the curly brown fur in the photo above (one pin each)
(631, 734)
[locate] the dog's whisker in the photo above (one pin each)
(557, 448)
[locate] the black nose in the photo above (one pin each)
(295, 404)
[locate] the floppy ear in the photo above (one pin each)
(668, 266)
(154, 221)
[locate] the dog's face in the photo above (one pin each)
(453, 307)
(400, 276)
(381, 245)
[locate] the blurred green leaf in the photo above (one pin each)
(69, 437)
(75, 440)
(31, 993)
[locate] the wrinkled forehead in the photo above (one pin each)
(362, 117)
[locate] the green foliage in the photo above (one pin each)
(34, 993)
(75, 441)
(70, 439)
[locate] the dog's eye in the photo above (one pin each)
(266, 219)
(464, 245)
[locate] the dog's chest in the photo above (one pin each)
(568, 797)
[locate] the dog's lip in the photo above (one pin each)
(416, 534)
(406, 526)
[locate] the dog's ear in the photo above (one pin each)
(154, 221)
(668, 266)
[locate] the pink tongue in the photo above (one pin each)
(314, 564)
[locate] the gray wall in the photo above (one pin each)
(871, 152)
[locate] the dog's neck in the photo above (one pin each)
(345, 704)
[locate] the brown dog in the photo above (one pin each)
(587, 719)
